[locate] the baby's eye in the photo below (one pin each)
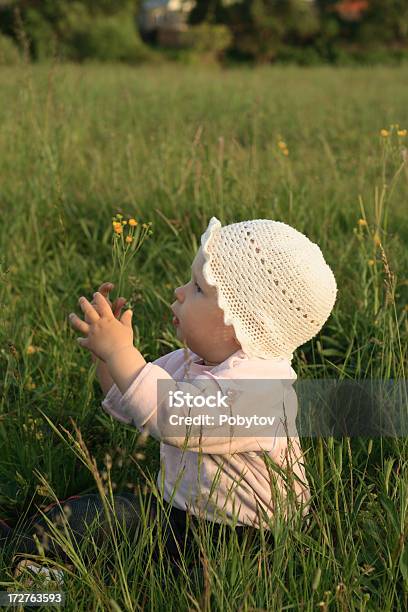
(198, 287)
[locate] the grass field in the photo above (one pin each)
(176, 146)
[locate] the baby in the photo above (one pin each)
(258, 290)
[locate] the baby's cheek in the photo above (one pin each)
(218, 320)
(220, 331)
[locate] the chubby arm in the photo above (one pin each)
(113, 402)
(124, 366)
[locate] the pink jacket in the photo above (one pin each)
(220, 479)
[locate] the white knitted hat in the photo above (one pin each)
(272, 283)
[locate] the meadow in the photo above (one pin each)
(174, 146)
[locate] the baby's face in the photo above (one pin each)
(200, 320)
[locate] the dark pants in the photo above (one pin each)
(81, 512)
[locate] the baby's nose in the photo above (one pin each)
(178, 293)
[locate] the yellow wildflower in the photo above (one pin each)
(282, 144)
(285, 152)
(362, 222)
(384, 133)
(402, 132)
(371, 262)
(122, 255)
(376, 239)
(31, 349)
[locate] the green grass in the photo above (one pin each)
(175, 146)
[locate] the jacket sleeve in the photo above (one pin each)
(146, 404)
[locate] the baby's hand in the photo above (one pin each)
(104, 335)
(117, 306)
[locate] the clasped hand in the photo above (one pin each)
(105, 335)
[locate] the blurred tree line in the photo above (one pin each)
(74, 30)
(261, 31)
(309, 31)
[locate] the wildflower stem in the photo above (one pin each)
(125, 249)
